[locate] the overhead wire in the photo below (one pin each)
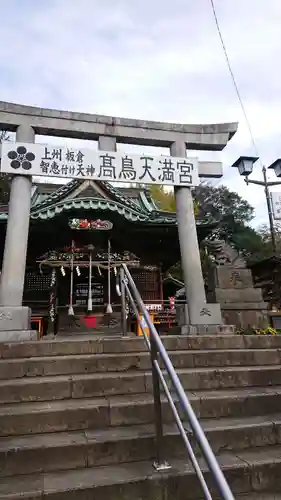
(234, 79)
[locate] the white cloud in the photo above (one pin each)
(157, 59)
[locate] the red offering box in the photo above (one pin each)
(90, 321)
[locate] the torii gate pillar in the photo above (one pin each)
(198, 312)
(14, 318)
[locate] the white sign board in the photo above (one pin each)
(276, 205)
(54, 161)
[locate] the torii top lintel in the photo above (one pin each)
(213, 137)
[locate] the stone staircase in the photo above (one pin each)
(76, 418)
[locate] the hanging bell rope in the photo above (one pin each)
(109, 307)
(90, 300)
(117, 285)
(52, 311)
(70, 309)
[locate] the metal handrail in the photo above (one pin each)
(157, 348)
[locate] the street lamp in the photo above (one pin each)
(276, 165)
(245, 168)
(245, 164)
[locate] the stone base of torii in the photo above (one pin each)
(108, 131)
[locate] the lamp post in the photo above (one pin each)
(245, 168)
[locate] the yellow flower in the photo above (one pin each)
(270, 331)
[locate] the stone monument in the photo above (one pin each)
(230, 283)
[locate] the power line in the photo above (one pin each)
(233, 78)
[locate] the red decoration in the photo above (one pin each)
(104, 225)
(172, 303)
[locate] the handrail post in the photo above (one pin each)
(123, 302)
(160, 463)
(214, 467)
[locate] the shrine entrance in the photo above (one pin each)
(74, 256)
(84, 285)
(26, 158)
(72, 287)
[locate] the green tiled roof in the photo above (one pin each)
(51, 197)
(50, 211)
(153, 218)
(138, 208)
(119, 196)
(66, 190)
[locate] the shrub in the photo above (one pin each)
(258, 331)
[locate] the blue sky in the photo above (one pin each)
(159, 60)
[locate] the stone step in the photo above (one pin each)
(133, 382)
(234, 403)
(94, 345)
(54, 416)
(73, 386)
(260, 496)
(78, 449)
(115, 411)
(246, 472)
(94, 363)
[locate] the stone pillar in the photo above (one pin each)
(15, 319)
(107, 143)
(200, 313)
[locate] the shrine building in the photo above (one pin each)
(80, 233)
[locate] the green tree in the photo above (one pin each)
(265, 235)
(222, 204)
(4, 178)
(232, 213)
(248, 241)
(163, 198)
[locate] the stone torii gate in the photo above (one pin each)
(108, 131)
